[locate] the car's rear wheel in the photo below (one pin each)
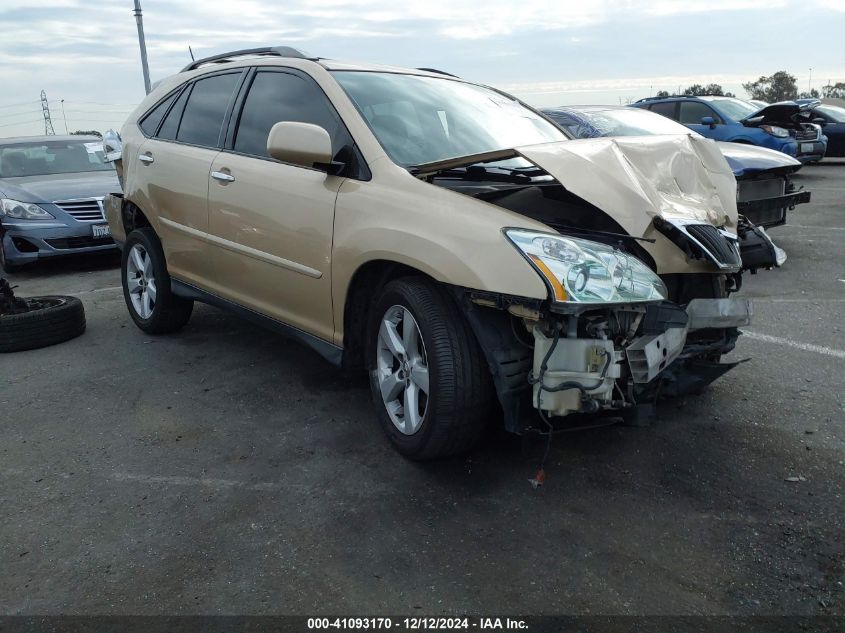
(146, 285)
(430, 384)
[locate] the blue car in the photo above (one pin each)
(832, 120)
(764, 189)
(783, 126)
(51, 198)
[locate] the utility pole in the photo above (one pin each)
(810, 82)
(45, 109)
(139, 20)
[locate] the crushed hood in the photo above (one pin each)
(637, 178)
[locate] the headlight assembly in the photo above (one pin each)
(583, 271)
(774, 130)
(23, 210)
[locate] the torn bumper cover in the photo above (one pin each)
(719, 313)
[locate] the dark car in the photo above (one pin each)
(51, 198)
(783, 126)
(764, 190)
(831, 118)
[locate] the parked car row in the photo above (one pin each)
(791, 127)
(764, 189)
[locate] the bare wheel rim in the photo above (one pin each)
(141, 282)
(402, 369)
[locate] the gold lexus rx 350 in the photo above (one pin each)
(438, 234)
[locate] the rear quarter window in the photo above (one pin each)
(149, 124)
(205, 110)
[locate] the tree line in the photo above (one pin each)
(781, 86)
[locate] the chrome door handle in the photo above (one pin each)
(146, 158)
(222, 177)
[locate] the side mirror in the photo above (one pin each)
(708, 121)
(303, 144)
(820, 121)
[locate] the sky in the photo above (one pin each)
(84, 53)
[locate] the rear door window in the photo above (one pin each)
(666, 109)
(693, 111)
(171, 122)
(150, 122)
(205, 110)
(281, 96)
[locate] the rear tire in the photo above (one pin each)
(58, 319)
(442, 367)
(146, 285)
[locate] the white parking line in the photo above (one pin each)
(820, 228)
(85, 292)
(807, 347)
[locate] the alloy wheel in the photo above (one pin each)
(402, 369)
(140, 279)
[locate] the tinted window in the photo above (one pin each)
(171, 122)
(205, 110)
(666, 109)
(692, 112)
(40, 158)
(275, 97)
(150, 122)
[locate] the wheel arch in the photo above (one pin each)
(365, 283)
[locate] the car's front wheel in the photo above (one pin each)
(146, 285)
(431, 387)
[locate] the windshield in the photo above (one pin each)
(834, 112)
(40, 158)
(736, 108)
(420, 120)
(632, 122)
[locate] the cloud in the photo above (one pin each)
(87, 50)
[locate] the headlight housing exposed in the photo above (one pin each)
(23, 210)
(583, 271)
(774, 130)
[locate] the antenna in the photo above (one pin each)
(192, 53)
(45, 109)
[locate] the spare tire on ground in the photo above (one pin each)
(32, 322)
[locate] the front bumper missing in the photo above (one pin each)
(770, 212)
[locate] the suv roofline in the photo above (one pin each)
(265, 51)
(644, 99)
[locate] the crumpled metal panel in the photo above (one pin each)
(719, 313)
(639, 177)
(649, 355)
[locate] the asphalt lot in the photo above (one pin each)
(229, 470)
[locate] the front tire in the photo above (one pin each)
(146, 285)
(431, 387)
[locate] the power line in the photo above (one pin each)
(15, 105)
(20, 123)
(27, 113)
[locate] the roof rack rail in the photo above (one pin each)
(439, 72)
(675, 97)
(272, 51)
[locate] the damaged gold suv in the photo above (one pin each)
(439, 234)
